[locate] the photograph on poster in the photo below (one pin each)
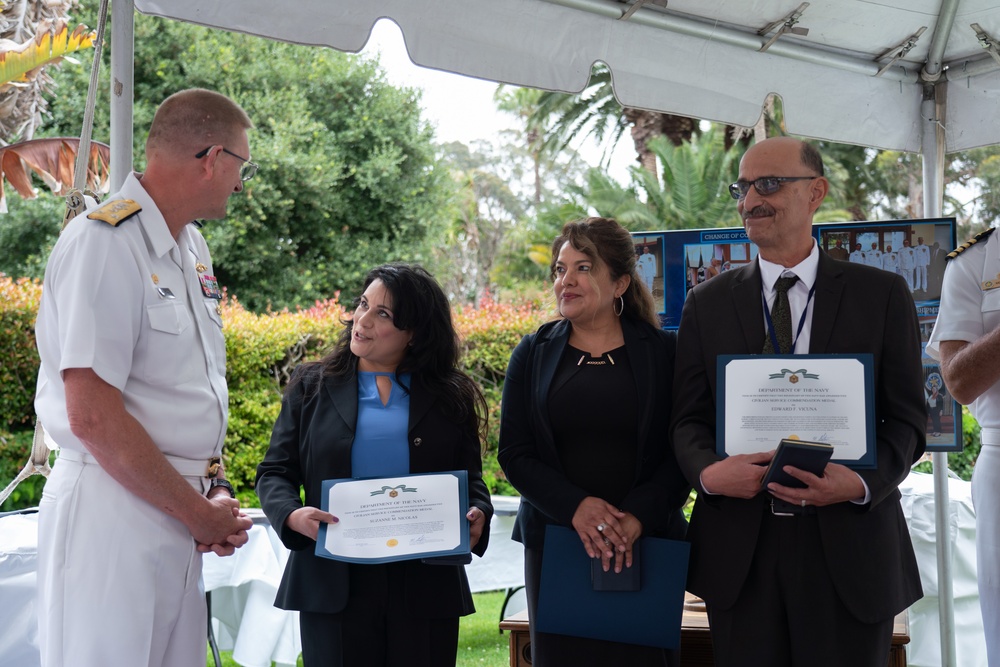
(914, 249)
(649, 265)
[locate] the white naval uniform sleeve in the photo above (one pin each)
(99, 297)
(967, 310)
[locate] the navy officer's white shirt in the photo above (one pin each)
(128, 302)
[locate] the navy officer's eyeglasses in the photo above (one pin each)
(766, 185)
(246, 171)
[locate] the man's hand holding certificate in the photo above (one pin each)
(395, 518)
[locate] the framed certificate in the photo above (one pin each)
(395, 518)
(829, 398)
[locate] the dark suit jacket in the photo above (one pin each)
(311, 442)
(857, 309)
(528, 453)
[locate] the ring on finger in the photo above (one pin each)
(601, 527)
(803, 502)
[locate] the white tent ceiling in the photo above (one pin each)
(693, 57)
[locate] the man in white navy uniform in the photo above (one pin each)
(890, 260)
(907, 264)
(132, 389)
(874, 257)
(922, 255)
(966, 339)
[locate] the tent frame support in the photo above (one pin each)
(798, 50)
(933, 109)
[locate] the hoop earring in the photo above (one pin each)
(621, 308)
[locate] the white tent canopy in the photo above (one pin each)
(695, 57)
(912, 75)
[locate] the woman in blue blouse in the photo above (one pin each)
(387, 400)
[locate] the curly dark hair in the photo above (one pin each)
(604, 240)
(420, 306)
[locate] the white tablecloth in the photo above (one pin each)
(18, 564)
(924, 649)
(243, 587)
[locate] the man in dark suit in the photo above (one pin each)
(820, 582)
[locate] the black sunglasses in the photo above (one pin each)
(766, 185)
(246, 171)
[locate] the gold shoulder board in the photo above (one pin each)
(981, 236)
(115, 211)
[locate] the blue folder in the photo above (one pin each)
(651, 616)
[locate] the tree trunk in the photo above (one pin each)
(644, 125)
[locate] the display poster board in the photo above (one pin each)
(915, 249)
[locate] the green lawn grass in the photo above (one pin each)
(479, 640)
(480, 643)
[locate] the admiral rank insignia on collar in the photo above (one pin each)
(981, 236)
(115, 211)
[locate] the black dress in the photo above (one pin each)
(592, 409)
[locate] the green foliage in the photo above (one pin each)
(692, 193)
(963, 462)
(19, 370)
(15, 450)
(28, 231)
(348, 175)
(489, 335)
(262, 350)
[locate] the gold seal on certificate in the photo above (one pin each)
(820, 398)
(395, 518)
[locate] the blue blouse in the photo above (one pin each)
(380, 439)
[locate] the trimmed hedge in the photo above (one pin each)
(19, 366)
(262, 350)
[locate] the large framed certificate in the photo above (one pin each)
(829, 398)
(395, 518)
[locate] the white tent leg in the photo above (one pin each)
(122, 88)
(933, 113)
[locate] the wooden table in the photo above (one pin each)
(696, 643)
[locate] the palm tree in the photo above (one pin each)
(693, 192)
(485, 211)
(596, 113)
(523, 104)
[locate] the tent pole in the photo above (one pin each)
(122, 60)
(933, 151)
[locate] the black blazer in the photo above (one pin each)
(857, 309)
(311, 442)
(528, 453)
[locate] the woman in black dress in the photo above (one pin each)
(584, 434)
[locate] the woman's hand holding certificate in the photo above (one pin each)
(397, 518)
